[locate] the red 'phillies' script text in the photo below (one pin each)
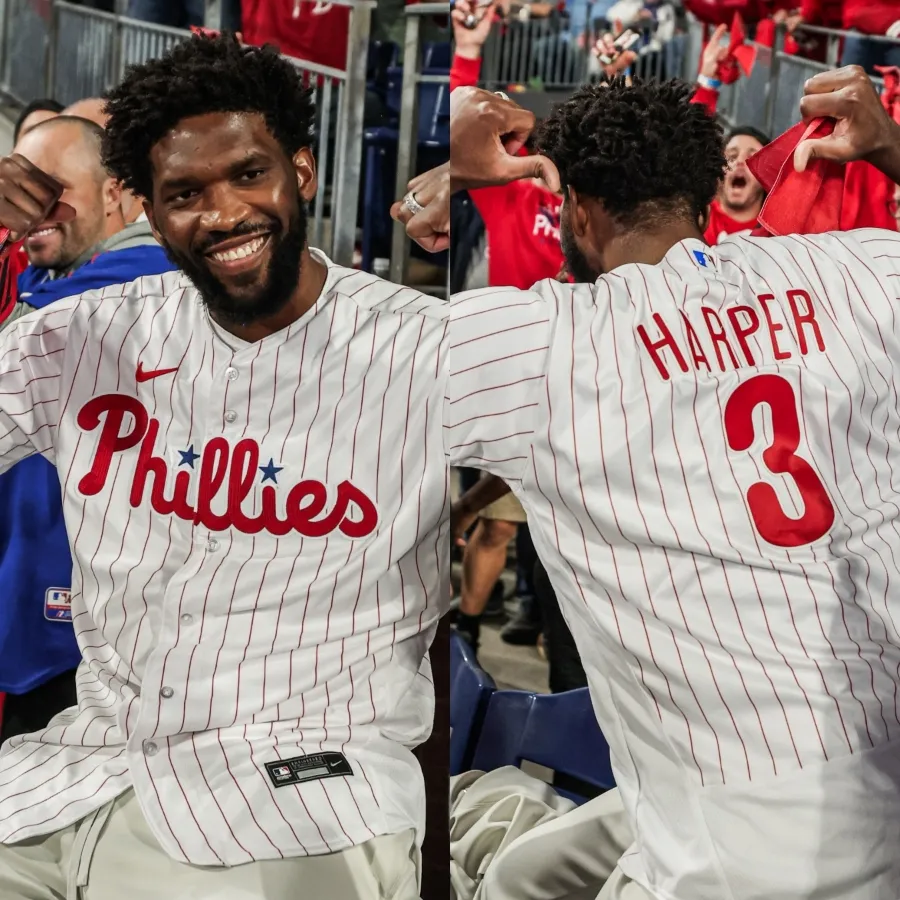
(717, 340)
(235, 467)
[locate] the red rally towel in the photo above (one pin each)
(826, 197)
(741, 56)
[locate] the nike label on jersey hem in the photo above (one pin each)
(308, 768)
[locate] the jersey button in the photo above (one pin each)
(231, 373)
(213, 544)
(187, 619)
(150, 749)
(230, 416)
(167, 692)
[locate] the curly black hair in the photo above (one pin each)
(202, 75)
(643, 150)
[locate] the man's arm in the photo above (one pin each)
(31, 352)
(498, 354)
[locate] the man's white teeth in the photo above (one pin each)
(240, 252)
(43, 232)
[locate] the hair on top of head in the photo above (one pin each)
(44, 105)
(750, 131)
(645, 151)
(202, 75)
(88, 128)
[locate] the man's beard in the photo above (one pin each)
(576, 262)
(281, 277)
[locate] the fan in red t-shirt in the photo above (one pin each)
(741, 196)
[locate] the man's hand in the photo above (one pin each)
(469, 41)
(461, 520)
(429, 228)
(863, 129)
(714, 52)
(29, 197)
(486, 133)
(608, 48)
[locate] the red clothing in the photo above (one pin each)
(12, 262)
(521, 219)
(313, 31)
(721, 225)
(871, 16)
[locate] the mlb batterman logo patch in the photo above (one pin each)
(58, 605)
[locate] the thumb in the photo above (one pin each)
(516, 167)
(812, 148)
(62, 212)
(718, 34)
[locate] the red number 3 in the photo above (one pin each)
(771, 521)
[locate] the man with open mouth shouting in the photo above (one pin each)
(740, 198)
(254, 483)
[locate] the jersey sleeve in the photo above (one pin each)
(31, 355)
(883, 248)
(498, 354)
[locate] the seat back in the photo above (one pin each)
(470, 690)
(558, 731)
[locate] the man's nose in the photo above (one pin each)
(224, 209)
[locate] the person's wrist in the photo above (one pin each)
(468, 51)
(708, 82)
(886, 155)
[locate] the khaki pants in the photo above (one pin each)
(113, 855)
(514, 838)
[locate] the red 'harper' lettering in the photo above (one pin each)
(221, 465)
(717, 340)
(654, 348)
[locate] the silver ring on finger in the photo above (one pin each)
(501, 95)
(413, 205)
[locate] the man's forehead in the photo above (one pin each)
(206, 139)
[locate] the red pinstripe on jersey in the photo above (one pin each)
(748, 689)
(213, 652)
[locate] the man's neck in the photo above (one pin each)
(742, 214)
(312, 279)
(648, 247)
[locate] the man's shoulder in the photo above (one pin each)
(96, 307)
(372, 293)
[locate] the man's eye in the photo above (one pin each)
(252, 175)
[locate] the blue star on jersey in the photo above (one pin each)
(188, 457)
(270, 471)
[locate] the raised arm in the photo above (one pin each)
(28, 198)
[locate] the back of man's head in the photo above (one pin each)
(68, 149)
(644, 151)
(93, 109)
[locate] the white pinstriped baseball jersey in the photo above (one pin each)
(708, 451)
(260, 553)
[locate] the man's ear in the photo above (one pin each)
(112, 196)
(579, 217)
(307, 178)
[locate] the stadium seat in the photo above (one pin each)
(470, 690)
(380, 160)
(558, 731)
(436, 55)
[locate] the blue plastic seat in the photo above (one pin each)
(436, 55)
(470, 690)
(558, 731)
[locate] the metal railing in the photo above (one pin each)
(546, 53)
(409, 118)
(61, 50)
(770, 98)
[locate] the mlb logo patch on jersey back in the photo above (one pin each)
(58, 605)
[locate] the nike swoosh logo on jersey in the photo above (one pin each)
(144, 375)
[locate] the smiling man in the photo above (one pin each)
(254, 488)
